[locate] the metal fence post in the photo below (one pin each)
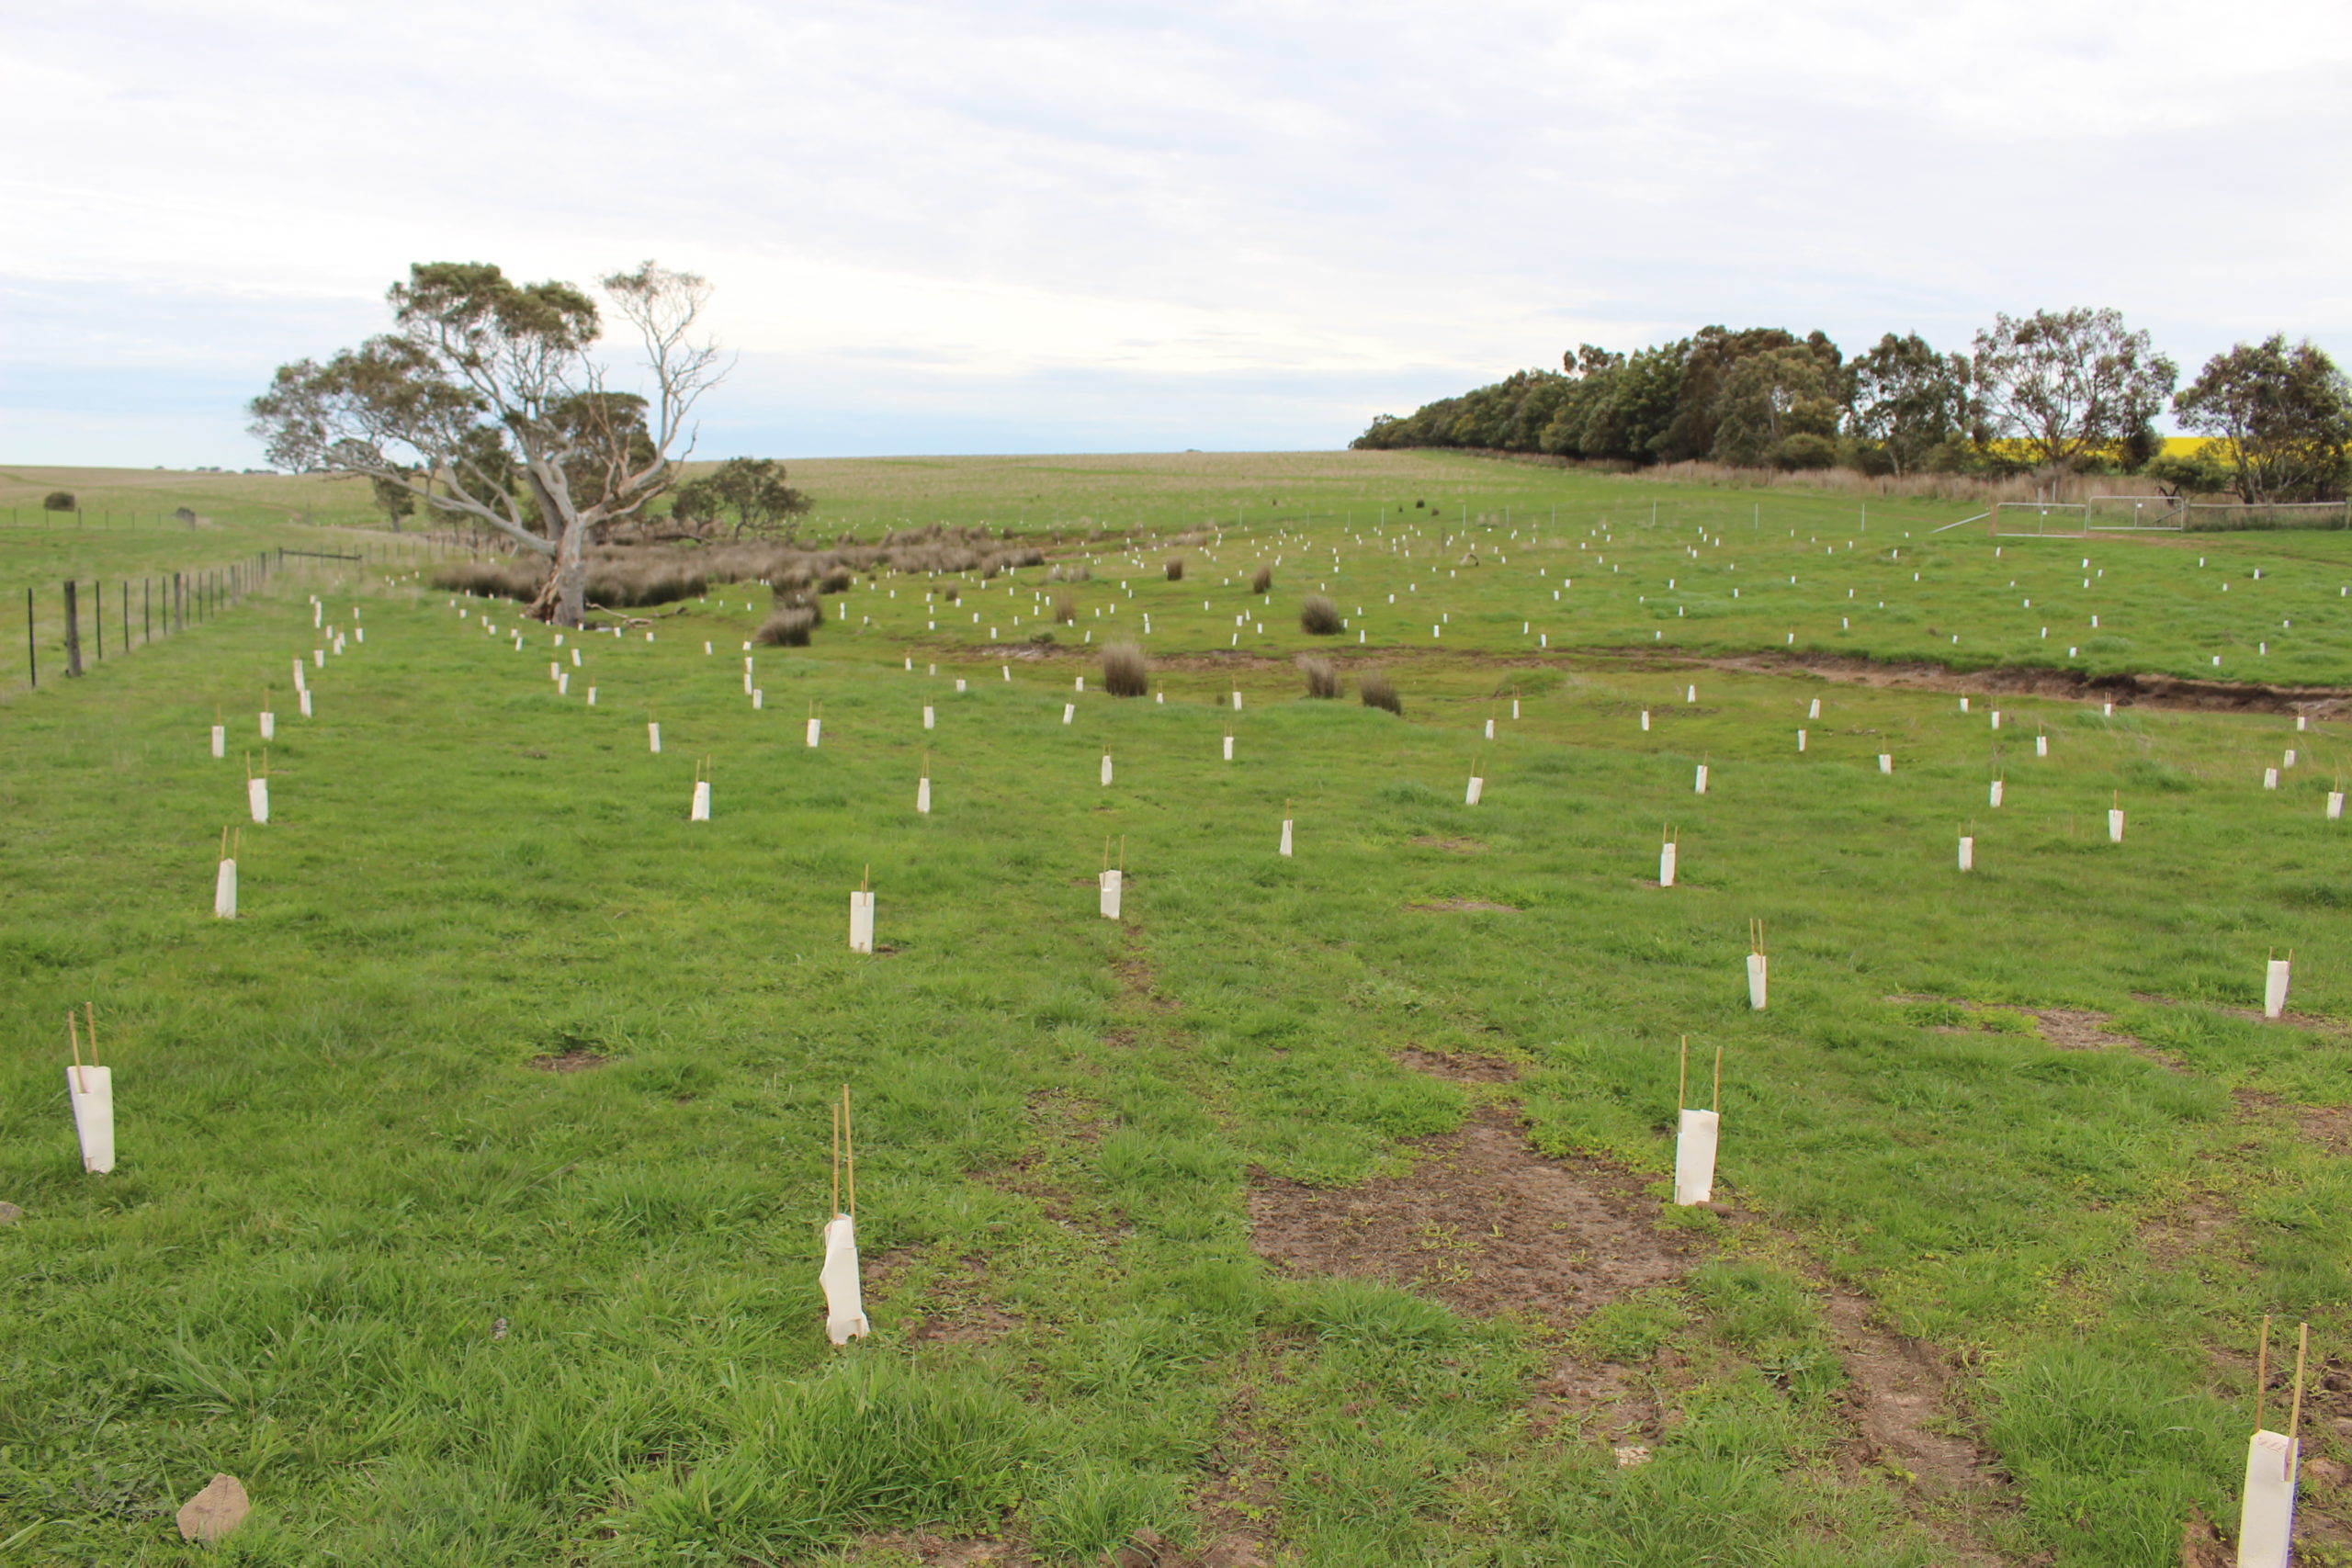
(73, 633)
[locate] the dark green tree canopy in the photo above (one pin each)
(750, 493)
(2071, 385)
(1909, 399)
(2281, 415)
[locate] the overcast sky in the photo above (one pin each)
(939, 227)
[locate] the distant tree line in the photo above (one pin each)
(2059, 390)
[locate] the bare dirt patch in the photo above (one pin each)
(936, 1551)
(956, 1309)
(1136, 977)
(1463, 907)
(1482, 1221)
(1452, 846)
(1457, 1067)
(2081, 1028)
(571, 1061)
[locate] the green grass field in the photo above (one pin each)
(1217, 1223)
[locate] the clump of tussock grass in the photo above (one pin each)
(1322, 677)
(789, 627)
(1319, 616)
(1065, 609)
(837, 580)
(1175, 569)
(1378, 690)
(951, 593)
(490, 578)
(1125, 674)
(1261, 580)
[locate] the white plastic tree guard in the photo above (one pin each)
(1646, 721)
(1996, 718)
(304, 697)
(930, 719)
(922, 794)
(816, 729)
(1070, 711)
(1228, 748)
(225, 890)
(1106, 770)
(1886, 763)
(861, 922)
(1967, 853)
(653, 738)
(2335, 805)
(1757, 981)
(1994, 794)
(844, 1292)
(1799, 740)
(268, 725)
(2115, 825)
(1286, 839)
(959, 685)
(219, 741)
(1477, 790)
(91, 1088)
(701, 810)
(2270, 778)
(1665, 856)
(1814, 711)
(2267, 1509)
(257, 799)
(2041, 745)
(1490, 730)
(2274, 978)
(1699, 780)
(1112, 883)
(1694, 1157)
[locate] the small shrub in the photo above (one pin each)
(1065, 609)
(1319, 616)
(1176, 568)
(1322, 677)
(1261, 580)
(1378, 691)
(787, 628)
(1123, 672)
(58, 500)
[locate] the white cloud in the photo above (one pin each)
(935, 224)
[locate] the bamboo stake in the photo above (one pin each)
(73, 1033)
(837, 1159)
(1716, 1105)
(849, 1152)
(2295, 1416)
(1682, 1082)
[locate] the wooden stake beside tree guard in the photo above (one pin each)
(1695, 1136)
(90, 1089)
(861, 914)
(844, 1292)
(2273, 1466)
(224, 884)
(2274, 978)
(1755, 965)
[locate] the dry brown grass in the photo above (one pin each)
(1318, 616)
(1378, 690)
(1322, 676)
(1065, 609)
(1125, 672)
(1261, 580)
(1176, 568)
(790, 626)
